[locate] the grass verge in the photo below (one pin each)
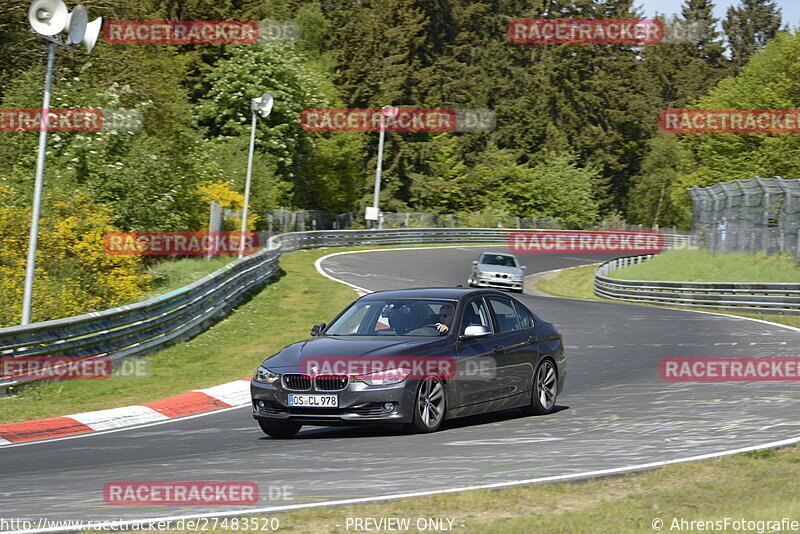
(578, 283)
(171, 275)
(757, 486)
(702, 266)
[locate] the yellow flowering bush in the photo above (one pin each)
(228, 198)
(74, 274)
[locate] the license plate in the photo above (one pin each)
(314, 401)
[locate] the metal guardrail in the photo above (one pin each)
(146, 327)
(141, 328)
(758, 297)
(413, 236)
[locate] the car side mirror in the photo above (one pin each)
(524, 267)
(475, 330)
(317, 329)
(475, 262)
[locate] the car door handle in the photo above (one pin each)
(531, 339)
(498, 348)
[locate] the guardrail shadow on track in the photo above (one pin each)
(146, 327)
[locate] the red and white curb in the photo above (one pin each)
(229, 395)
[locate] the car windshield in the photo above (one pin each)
(499, 259)
(395, 317)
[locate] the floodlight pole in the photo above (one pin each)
(378, 169)
(386, 111)
(247, 183)
(30, 266)
(258, 106)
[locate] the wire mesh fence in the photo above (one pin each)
(282, 220)
(756, 215)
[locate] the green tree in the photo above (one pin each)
(147, 178)
(767, 81)
(650, 202)
(749, 26)
(707, 42)
(554, 185)
(443, 186)
(250, 71)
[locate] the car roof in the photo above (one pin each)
(453, 293)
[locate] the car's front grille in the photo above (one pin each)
(297, 382)
(500, 275)
(331, 382)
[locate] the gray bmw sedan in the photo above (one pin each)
(414, 357)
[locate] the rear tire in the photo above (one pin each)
(429, 407)
(545, 389)
(280, 430)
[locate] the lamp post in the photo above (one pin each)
(386, 111)
(258, 106)
(48, 18)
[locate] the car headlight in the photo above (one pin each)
(484, 275)
(383, 378)
(265, 376)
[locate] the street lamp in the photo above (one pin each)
(48, 18)
(375, 212)
(258, 106)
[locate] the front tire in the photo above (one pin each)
(429, 407)
(545, 389)
(280, 430)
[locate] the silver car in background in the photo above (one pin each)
(499, 270)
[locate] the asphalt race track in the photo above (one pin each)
(615, 412)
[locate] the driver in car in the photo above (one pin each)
(445, 318)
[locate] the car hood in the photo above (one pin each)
(291, 358)
(485, 267)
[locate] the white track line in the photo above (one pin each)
(320, 270)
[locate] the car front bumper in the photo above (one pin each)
(358, 404)
(499, 283)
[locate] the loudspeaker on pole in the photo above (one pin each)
(48, 17)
